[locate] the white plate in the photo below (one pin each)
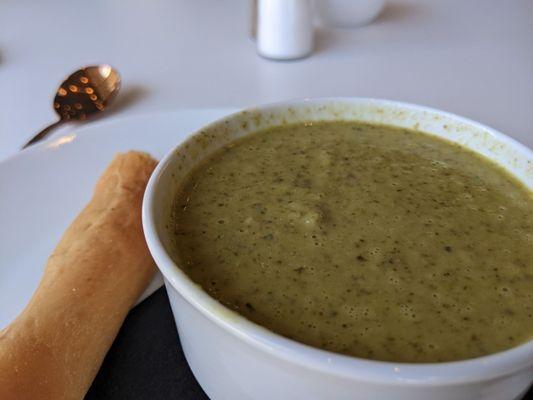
(43, 188)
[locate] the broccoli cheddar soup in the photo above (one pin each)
(368, 240)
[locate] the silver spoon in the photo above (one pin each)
(86, 92)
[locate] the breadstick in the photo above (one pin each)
(55, 347)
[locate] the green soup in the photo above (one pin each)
(368, 240)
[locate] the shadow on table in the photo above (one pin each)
(397, 12)
(329, 39)
(128, 96)
(146, 360)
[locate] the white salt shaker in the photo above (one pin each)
(284, 29)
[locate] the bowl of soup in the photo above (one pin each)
(348, 248)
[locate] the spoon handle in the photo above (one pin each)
(41, 135)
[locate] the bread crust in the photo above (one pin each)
(101, 265)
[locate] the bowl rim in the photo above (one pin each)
(454, 372)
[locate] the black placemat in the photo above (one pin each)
(146, 360)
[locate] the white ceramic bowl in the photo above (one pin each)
(233, 358)
(348, 13)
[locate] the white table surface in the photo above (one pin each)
(471, 57)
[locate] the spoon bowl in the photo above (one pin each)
(86, 92)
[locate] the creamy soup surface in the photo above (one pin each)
(368, 240)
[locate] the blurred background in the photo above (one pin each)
(471, 57)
